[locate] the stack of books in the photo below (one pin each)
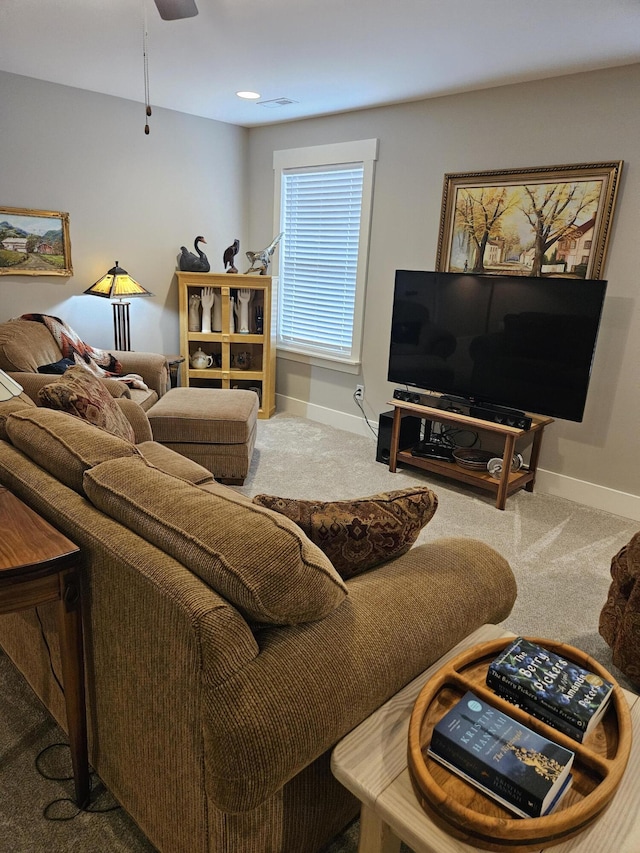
(509, 762)
(521, 769)
(553, 689)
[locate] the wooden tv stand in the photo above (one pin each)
(509, 482)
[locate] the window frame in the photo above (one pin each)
(364, 152)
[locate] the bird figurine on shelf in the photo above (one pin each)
(229, 254)
(260, 260)
(188, 262)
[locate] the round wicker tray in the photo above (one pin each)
(468, 814)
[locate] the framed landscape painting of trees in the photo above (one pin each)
(34, 242)
(548, 221)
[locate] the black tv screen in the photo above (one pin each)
(513, 341)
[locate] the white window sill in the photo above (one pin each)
(320, 361)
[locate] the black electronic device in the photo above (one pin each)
(415, 397)
(433, 450)
(484, 411)
(410, 430)
(500, 415)
(496, 341)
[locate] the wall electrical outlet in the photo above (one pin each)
(358, 394)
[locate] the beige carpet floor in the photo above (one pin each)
(560, 552)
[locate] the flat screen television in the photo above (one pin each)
(513, 341)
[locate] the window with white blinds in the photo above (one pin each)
(324, 214)
(319, 260)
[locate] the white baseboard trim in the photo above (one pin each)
(548, 482)
(589, 494)
(340, 420)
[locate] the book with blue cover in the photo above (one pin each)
(550, 687)
(519, 768)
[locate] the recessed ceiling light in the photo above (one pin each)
(249, 96)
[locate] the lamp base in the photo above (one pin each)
(121, 325)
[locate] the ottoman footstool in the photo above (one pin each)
(215, 427)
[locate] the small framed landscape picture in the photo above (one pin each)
(34, 242)
(547, 221)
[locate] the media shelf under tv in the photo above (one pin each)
(509, 482)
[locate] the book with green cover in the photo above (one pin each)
(550, 687)
(517, 767)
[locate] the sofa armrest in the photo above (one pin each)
(312, 683)
(138, 419)
(154, 635)
(151, 366)
(33, 382)
(116, 388)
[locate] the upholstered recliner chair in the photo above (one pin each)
(620, 617)
(214, 427)
(26, 345)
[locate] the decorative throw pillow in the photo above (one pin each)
(357, 535)
(80, 393)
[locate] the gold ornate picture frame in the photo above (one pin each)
(547, 221)
(34, 242)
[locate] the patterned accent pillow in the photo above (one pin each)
(80, 393)
(357, 535)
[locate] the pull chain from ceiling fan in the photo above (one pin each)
(145, 58)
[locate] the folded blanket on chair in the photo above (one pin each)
(97, 361)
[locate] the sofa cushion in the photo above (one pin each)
(357, 535)
(15, 404)
(258, 560)
(173, 463)
(63, 445)
(82, 394)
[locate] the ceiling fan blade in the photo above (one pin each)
(174, 10)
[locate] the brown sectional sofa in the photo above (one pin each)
(225, 657)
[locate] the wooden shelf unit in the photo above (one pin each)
(509, 482)
(223, 345)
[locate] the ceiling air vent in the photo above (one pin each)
(276, 102)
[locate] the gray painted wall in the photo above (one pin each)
(137, 198)
(130, 197)
(576, 119)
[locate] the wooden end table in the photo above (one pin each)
(38, 564)
(371, 762)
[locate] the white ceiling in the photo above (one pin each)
(328, 56)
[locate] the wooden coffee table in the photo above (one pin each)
(371, 761)
(38, 564)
